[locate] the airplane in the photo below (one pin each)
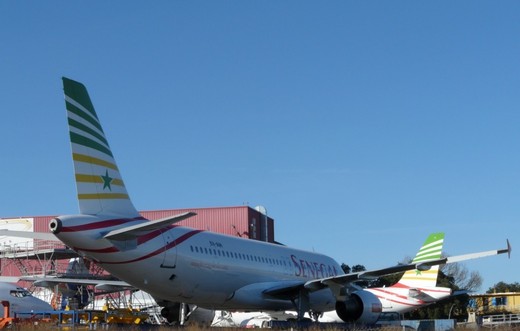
(415, 289)
(178, 264)
(20, 300)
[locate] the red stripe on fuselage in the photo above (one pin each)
(174, 243)
(429, 289)
(111, 249)
(140, 240)
(406, 302)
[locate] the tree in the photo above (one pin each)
(502, 287)
(355, 268)
(460, 277)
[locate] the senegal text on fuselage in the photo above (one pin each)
(312, 269)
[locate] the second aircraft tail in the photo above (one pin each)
(431, 249)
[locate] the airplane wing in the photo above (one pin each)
(338, 283)
(341, 280)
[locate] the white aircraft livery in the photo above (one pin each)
(179, 264)
(21, 301)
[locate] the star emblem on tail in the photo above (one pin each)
(107, 180)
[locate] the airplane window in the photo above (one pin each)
(191, 247)
(206, 250)
(20, 293)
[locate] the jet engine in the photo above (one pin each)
(360, 307)
(171, 312)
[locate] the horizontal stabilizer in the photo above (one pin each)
(9, 279)
(51, 281)
(30, 235)
(419, 294)
(133, 231)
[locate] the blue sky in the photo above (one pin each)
(360, 126)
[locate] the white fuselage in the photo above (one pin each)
(212, 270)
(401, 299)
(21, 301)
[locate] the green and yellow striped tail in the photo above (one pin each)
(431, 249)
(99, 184)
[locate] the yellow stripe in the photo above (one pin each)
(96, 179)
(419, 278)
(93, 160)
(102, 196)
(411, 274)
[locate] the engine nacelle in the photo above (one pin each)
(171, 311)
(360, 307)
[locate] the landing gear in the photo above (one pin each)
(302, 304)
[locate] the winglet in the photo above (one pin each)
(507, 250)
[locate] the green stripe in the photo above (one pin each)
(84, 141)
(75, 110)
(86, 129)
(78, 92)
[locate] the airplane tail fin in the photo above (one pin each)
(431, 249)
(99, 184)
